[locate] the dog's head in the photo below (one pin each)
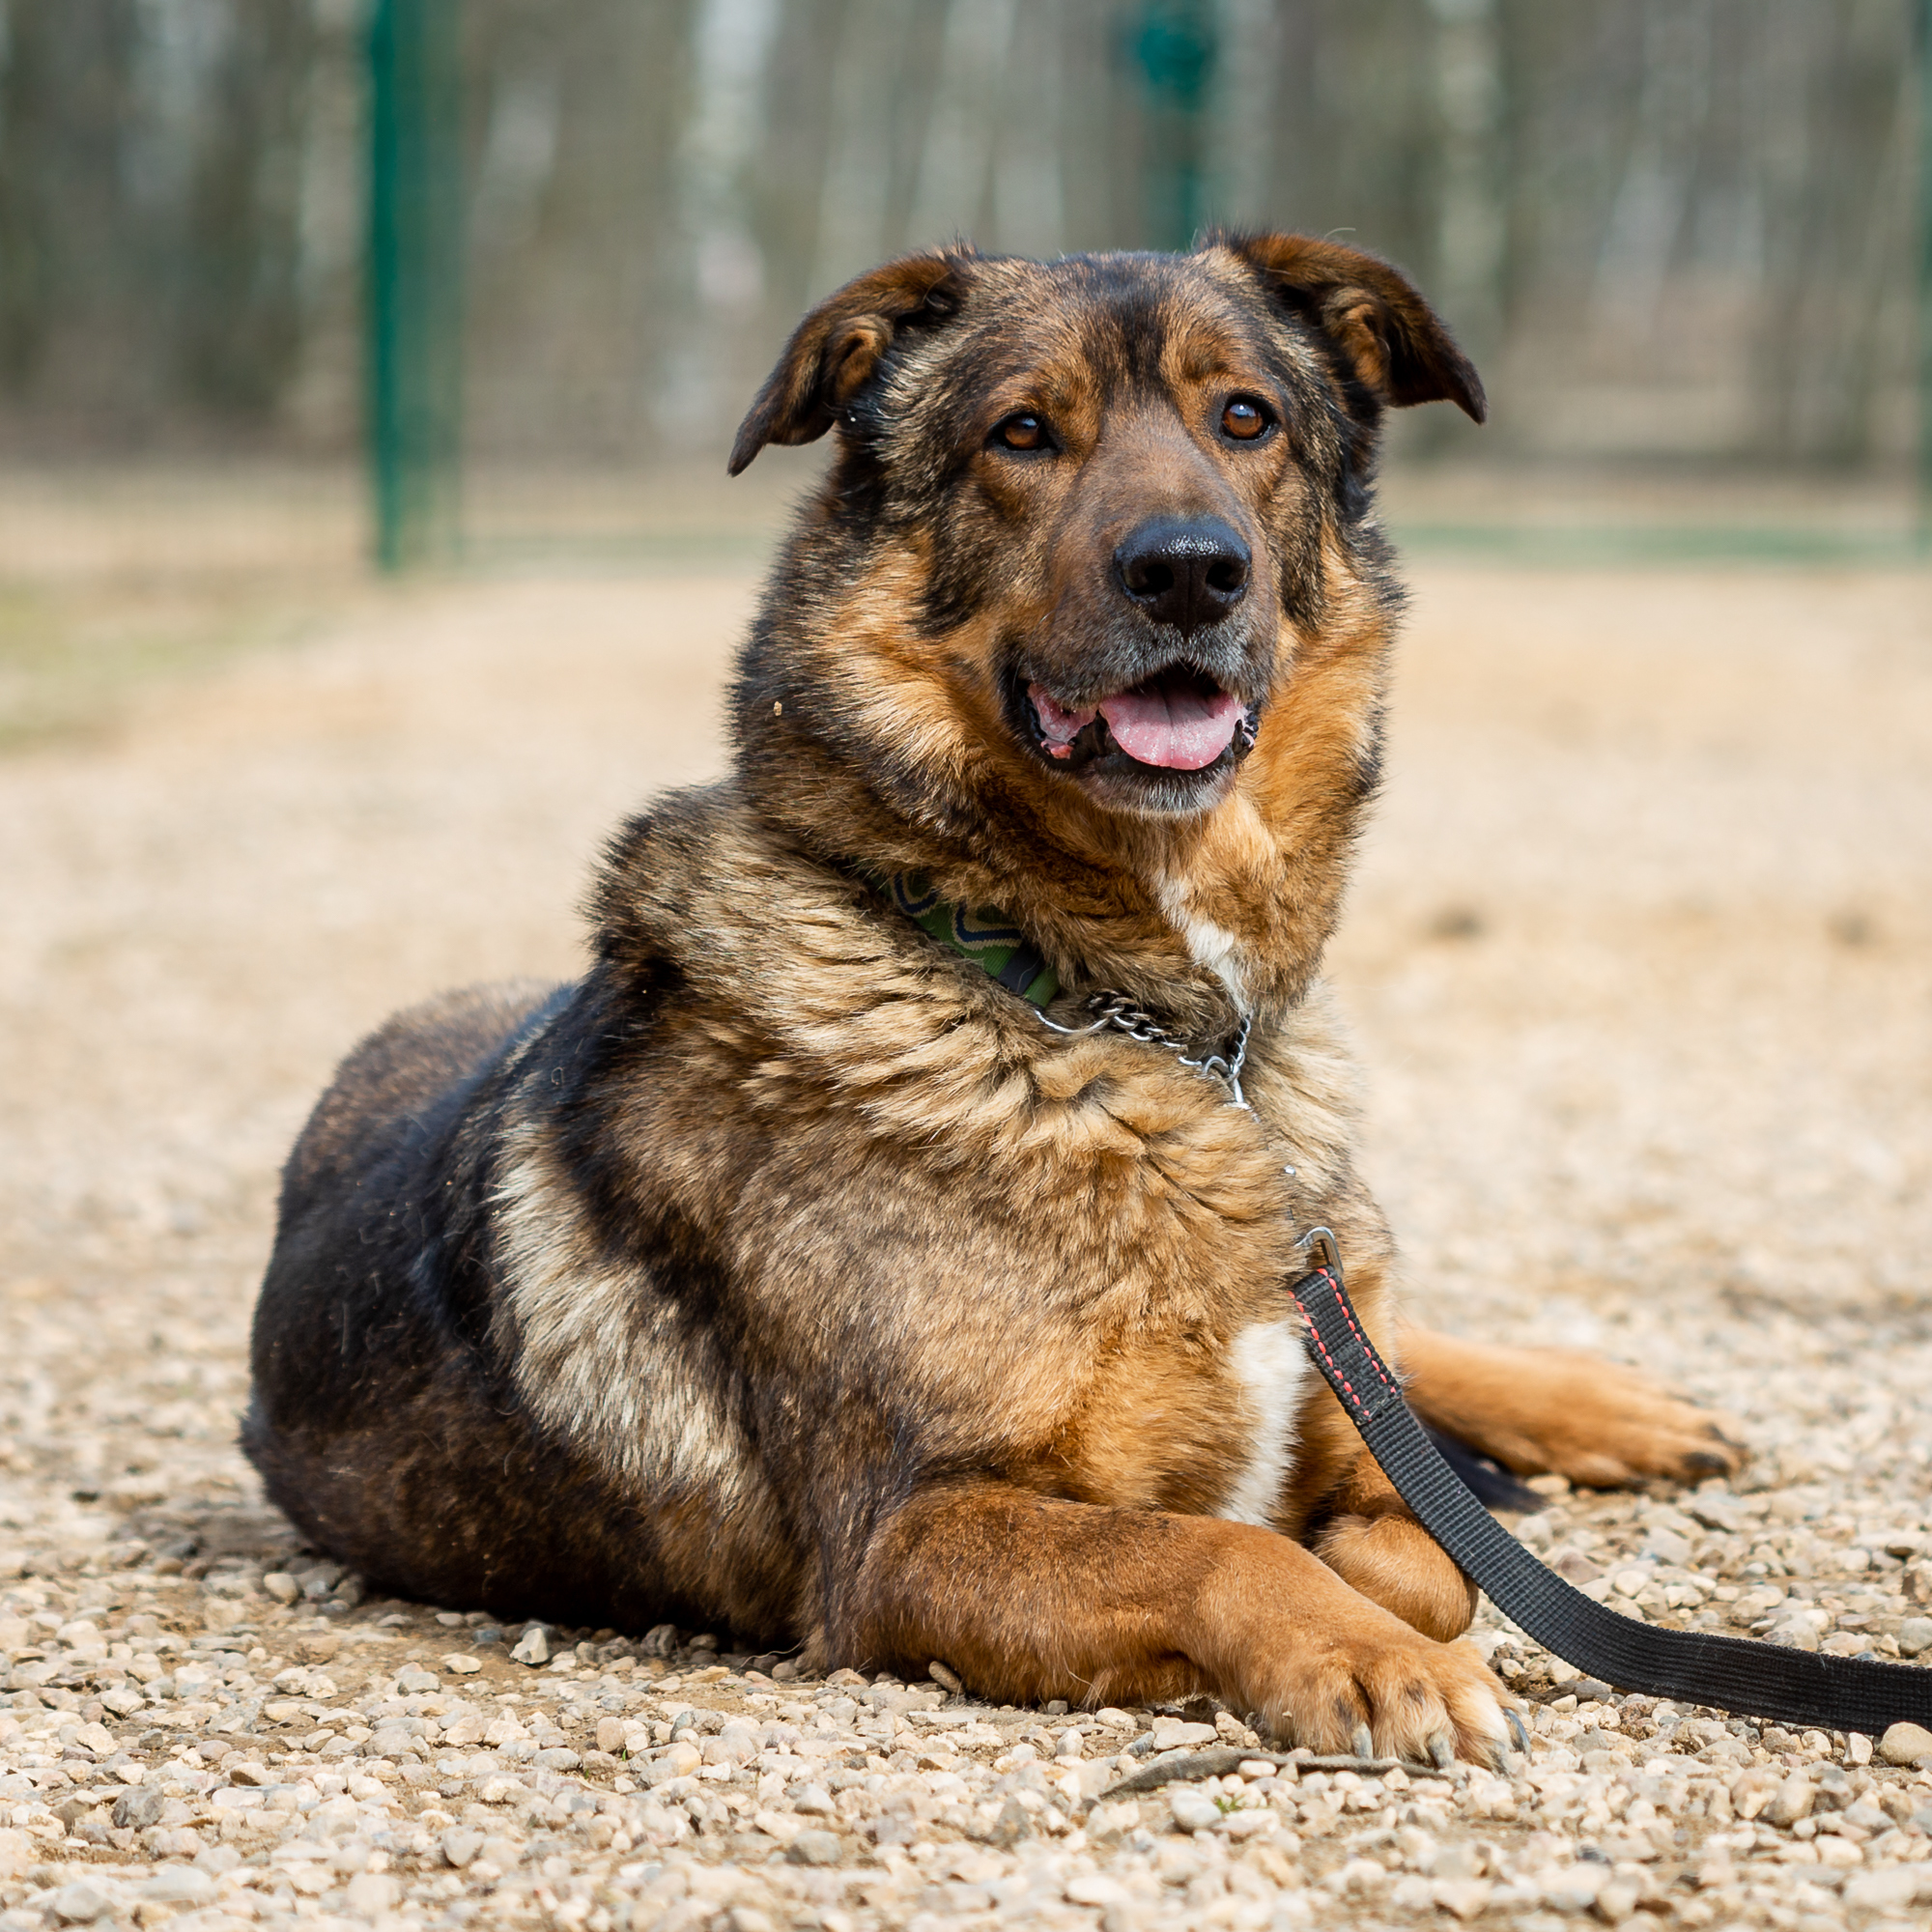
(1083, 517)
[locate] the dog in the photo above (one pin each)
(881, 1251)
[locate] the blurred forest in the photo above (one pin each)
(1666, 228)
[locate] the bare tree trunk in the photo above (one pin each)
(1029, 192)
(855, 200)
(955, 169)
(1242, 113)
(731, 39)
(1471, 219)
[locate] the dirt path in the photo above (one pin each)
(1640, 959)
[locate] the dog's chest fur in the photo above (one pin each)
(968, 1240)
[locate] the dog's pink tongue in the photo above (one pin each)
(1180, 730)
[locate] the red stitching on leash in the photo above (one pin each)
(1348, 1315)
(1315, 1335)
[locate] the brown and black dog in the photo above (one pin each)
(791, 1272)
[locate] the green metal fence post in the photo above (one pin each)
(1174, 44)
(414, 277)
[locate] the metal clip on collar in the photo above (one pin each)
(1324, 1251)
(1117, 1011)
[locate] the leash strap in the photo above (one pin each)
(1759, 1680)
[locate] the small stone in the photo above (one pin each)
(135, 1810)
(1715, 1869)
(611, 1734)
(1891, 1888)
(814, 1848)
(81, 1903)
(1172, 1733)
(1792, 1800)
(178, 1885)
(372, 1893)
(16, 1853)
(1096, 1889)
(1716, 1511)
(1464, 1898)
(1617, 1900)
(1193, 1811)
(1905, 1744)
(413, 1680)
(460, 1665)
(1573, 1887)
(1914, 1635)
(532, 1647)
(814, 1801)
(1858, 1749)
(460, 1846)
(678, 1760)
(281, 1586)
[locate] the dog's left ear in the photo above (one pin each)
(1395, 342)
(839, 345)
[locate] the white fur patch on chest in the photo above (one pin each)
(1268, 1360)
(1207, 944)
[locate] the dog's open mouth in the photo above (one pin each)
(1178, 720)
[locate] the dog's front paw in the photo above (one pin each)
(1393, 1561)
(1378, 1689)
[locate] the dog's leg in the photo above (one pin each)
(1028, 1598)
(1537, 1411)
(1370, 1538)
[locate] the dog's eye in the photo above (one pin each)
(1244, 418)
(1022, 432)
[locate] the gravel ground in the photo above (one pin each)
(1639, 964)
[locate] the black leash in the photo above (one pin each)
(1759, 1680)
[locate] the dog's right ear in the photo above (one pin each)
(838, 346)
(1397, 346)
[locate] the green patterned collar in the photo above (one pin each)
(983, 935)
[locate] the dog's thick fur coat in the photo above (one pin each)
(787, 1273)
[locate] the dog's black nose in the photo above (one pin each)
(1185, 571)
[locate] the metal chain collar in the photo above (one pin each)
(1115, 1012)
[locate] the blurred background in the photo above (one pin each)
(530, 257)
